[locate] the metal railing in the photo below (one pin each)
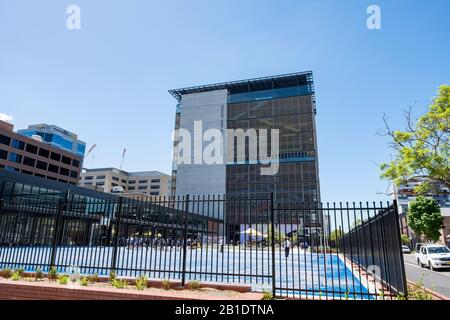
(295, 250)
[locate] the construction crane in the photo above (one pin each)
(123, 158)
(90, 152)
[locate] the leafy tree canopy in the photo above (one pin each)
(336, 234)
(423, 149)
(424, 217)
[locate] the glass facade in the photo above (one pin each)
(56, 137)
(270, 94)
(297, 179)
(18, 187)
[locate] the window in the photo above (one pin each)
(29, 162)
(156, 180)
(64, 171)
(8, 168)
(143, 188)
(143, 181)
(3, 154)
(44, 153)
(75, 163)
(132, 182)
(55, 156)
(66, 160)
(100, 183)
(81, 149)
(31, 148)
(41, 165)
(27, 172)
(154, 193)
(73, 174)
(115, 178)
(88, 177)
(124, 181)
(131, 188)
(53, 168)
(154, 187)
(5, 140)
(63, 181)
(18, 144)
(101, 177)
(51, 178)
(39, 175)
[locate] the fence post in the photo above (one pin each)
(57, 232)
(116, 235)
(272, 236)
(186, 211)
(396, 216)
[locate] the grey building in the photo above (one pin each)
(112, 180)
(284, 102)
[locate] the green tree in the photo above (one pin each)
(278, 236)
(336, 234)
(424, 217)
(422, 150)
(405, 239)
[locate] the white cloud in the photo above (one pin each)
(6, 117)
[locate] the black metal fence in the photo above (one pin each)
(292, 249)
(375, 244)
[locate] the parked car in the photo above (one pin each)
(433, 256)
(406, 249)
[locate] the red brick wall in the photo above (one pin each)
(10, 290)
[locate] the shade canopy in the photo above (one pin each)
(253, 232)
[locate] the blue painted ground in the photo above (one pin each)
(303, 274)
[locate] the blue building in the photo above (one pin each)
(56, 137)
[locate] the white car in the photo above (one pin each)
(406, 249)
(433, 256)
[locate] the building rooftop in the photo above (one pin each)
(51, 127)
(255, 84)
(131, 174)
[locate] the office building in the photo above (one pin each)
(111, 180)
(404, 194)
(31, 156)
(285, 102)
(56, 137)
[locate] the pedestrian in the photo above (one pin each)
(221, 245)
(287, 247)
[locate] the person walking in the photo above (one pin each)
(287, 247)
(221, 245)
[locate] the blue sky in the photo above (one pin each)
(108, 82)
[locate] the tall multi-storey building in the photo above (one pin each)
(56, 137)
(284, 102)
(111, 180)
(31, 156)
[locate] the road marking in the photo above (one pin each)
(416, 266)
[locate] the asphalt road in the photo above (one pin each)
(438, 281)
